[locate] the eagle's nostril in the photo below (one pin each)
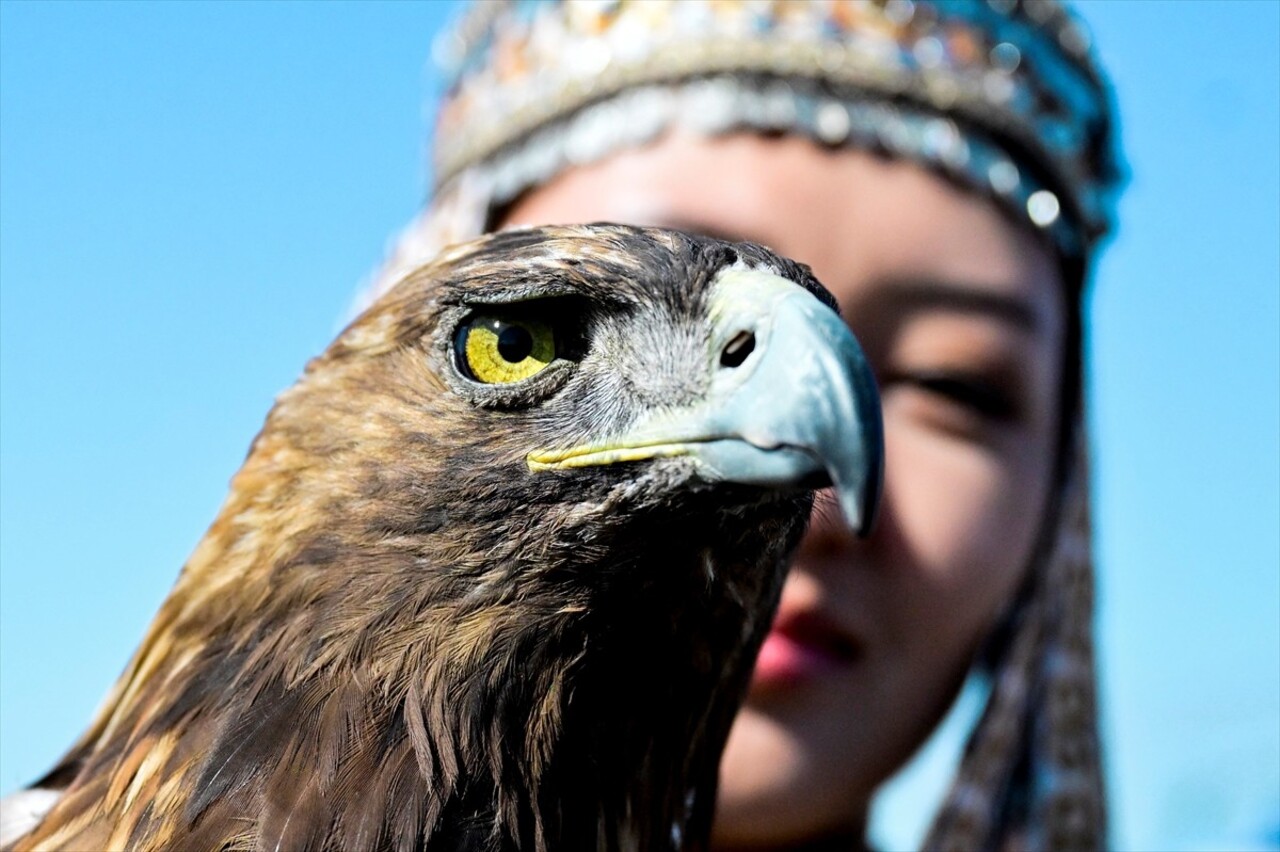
(742, 344)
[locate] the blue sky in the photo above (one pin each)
(190, 194)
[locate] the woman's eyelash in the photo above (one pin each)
(981, 395)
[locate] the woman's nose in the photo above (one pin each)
(828, 536)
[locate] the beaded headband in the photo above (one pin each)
(1000, 95)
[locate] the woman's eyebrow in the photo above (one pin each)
(906, 294)
(929, 294)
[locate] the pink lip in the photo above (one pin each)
(800, 648)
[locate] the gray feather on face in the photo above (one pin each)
(495, 570)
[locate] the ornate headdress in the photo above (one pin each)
(1000, 96)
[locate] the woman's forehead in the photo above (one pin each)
(869, 226)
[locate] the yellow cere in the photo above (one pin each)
(502, 351)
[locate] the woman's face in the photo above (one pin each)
(961, 315)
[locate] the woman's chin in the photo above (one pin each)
(777, 777)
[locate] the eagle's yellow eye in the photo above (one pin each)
(495, 350)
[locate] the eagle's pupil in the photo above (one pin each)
(515, 343)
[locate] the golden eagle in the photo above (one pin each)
(496, 568)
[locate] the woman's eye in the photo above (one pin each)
(979, 395)
(497, 350)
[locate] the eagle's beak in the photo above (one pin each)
(792, 401)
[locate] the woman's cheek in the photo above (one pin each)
(964, 516)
